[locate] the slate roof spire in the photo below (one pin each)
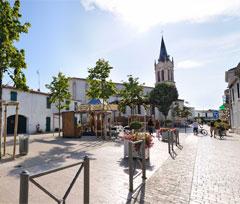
(163, 52)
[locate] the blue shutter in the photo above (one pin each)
(13, 96)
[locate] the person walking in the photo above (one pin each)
(212, 129)
(157, 127)
(195, 127)
(150, 126)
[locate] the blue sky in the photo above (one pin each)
(69, 36)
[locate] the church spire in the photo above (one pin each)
(163, 52)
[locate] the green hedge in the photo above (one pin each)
(135, 125)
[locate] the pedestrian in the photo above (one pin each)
(157, 127)
(38, 128)
(195, 127)
(212, 129)
(150, 126)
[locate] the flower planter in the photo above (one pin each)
(135, 152)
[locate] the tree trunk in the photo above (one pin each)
(1, 76)
(103, 121)
(59, 120)
(165, 120)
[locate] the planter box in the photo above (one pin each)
(135, 153)
(164, 136)
(224, 132)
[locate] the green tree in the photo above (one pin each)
(100, 87)
(131, 95)
(162, 97)
(184, 112)
(59, 94)
(12, 59)
(225, 112)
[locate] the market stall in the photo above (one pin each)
(98, 120)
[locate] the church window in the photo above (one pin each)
(169, 79)
(158, 76)
(162, 75)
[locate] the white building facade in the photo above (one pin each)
(78, 88)
(232, 78)
(34, 109)
(207, 115)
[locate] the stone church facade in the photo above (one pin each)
(164, 69)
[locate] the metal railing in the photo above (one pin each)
(173, 137)
(177, 141)
(130, 161)
(25, 178)
(170, 142)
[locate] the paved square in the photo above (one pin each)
(206, 170)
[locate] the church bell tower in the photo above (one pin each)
(164, 68)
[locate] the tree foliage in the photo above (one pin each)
(12, 59)
(184, 112)
(132, 94)
(99, 85)
(162, 97)
(59, 93)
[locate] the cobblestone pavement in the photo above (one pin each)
(108, 169)
(206, 171)
(217, 171)
(172, 182)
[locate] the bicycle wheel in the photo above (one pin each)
(204, 132)
(220, 134)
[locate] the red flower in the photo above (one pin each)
(140, 136)
(161, 130)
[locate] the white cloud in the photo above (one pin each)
(210, 49)
(188, 64)
(145, 14)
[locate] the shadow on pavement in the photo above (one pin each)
(136, 164)
(47, 160)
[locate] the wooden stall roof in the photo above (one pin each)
(98, 107)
